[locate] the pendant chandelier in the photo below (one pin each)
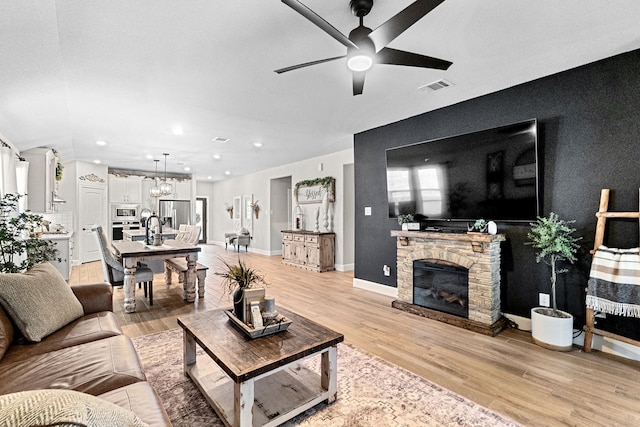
(155, 190)
(165, 187)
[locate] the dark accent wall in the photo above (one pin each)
(589, 127)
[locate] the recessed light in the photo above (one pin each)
(187, 168)
(149, 156)
(97, 162)
(101, 142)
(227, 172)
(257, 144)
(209, 177)
(220, 139)
(177, 130)
(216, 156)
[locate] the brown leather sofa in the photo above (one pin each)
(89, 355)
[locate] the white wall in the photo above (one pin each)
(259, 184)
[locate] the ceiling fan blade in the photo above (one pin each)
(358, 82)
(307, 64)
(320, 22)
(401, 57)
(385, 33)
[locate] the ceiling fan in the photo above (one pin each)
(366, 47)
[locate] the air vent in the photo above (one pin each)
(437, 85)
(220, 140)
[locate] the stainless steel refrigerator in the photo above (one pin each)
(172, 213)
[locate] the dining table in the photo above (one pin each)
(133, 252)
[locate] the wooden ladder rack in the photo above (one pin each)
(603, 214)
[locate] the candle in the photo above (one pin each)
(269, 304)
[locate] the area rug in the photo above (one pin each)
(371, 392)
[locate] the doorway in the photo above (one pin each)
(92, 210)
(201, 218)
(280, 212)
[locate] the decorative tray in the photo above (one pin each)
(279, 324)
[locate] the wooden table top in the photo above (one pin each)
(243, 358)
(127, 248)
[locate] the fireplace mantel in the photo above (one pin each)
(477, 240)
(478, 252)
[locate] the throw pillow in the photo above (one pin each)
(62, 407)
(6, 333)
(38, 301)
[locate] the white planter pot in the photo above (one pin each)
(554, 333)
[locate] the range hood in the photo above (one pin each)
(57, 200)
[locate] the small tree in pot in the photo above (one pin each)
(555, 242)
(20, 245)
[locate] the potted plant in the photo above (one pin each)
(235, 279)
(555, 242)
(20, 245)
(480, 226)
(405, 219)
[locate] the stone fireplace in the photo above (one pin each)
(470, 257)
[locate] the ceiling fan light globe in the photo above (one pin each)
(359, 62)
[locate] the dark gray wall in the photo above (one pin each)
(589, 127)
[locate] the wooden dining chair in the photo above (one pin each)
(114, 271)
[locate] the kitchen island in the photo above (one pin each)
(63, 246)
(139, 235)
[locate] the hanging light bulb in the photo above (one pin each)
(165, 187)
(155, 190)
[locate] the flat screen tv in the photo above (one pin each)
(492, 174)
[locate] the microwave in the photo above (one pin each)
(125, 213)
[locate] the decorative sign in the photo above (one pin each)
(311, 194)
(312, 191)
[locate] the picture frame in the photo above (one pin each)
(314, 193)
(251, 295)
(237, 207)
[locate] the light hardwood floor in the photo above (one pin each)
(507, 373)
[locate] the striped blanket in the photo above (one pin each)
(614, 282)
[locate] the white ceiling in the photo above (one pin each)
(128, 71)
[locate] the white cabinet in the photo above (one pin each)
(63, 246)
(41, 180)
(181, 189)
(125, 189)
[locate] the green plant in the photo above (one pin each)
(402, 219)
(238, 276)
(554, 239)
(480, 225)
(20, 247)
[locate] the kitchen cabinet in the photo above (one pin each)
(62, 244)
(181, 190)
(41, 179)
(125, 189)
(309, 250)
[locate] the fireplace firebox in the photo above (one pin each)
(441, 287)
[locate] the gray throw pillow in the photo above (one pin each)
(63, 407)
(38, 301)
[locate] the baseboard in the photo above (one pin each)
(344, 267)
(599, 343)
(375, 287)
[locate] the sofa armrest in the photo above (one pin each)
(94, 297)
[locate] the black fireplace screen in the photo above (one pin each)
(441, 287)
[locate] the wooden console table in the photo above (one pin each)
(310, 250)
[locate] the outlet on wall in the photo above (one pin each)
(386, 270)
(543, 299)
